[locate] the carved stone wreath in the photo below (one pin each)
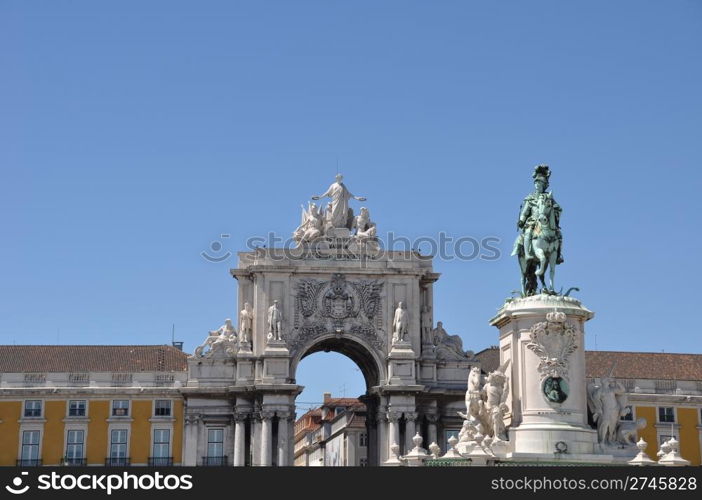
(553, 341)
(337, 306)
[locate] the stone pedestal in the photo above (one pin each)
(245, 366)
(210, 371)
(544, 338)
(401, 361)
(276, 363)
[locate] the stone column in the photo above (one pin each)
(410, 429)
(382, 444)
(431, 428)
(266, 438)
(291, 438)
(283, 438)
(256, 438)
(190, 442)
(239, 458)
(393, 430)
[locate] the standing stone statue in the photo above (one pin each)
(427, 323)
(246, 318)
(496, 391)
(607, 402)
(473, 396)
(339, 216)
(538, 246)
(400, 323)
(275, 322)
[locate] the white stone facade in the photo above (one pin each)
(332, 295)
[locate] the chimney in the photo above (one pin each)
(327, 396)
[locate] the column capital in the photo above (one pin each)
(410, 416)
(267, 414)
(432, 418)
(192, 419)
(284, 414)
(241, 417)
(394, 416)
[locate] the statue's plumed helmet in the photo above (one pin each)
(541, 173)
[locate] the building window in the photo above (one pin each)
(162, 408)
(215, 442)
(363, 462)
(339, 410)
(628, 414)
(120, 408)
(30, 448)
(118, 447)
(76, 408)
(162, 448)
(32, 408)
(215, 447)
(666, 414)
(74, 447)
(363, 439)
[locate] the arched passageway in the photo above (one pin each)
(336, 430)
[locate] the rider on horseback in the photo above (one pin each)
(528, 213)
(538, 246)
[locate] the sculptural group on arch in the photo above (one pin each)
(337, 219)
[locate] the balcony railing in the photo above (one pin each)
(160, 461)
(29, 462)
(222, 461)
(73, 462)
(117, 462)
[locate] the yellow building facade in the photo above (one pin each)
(91, 405)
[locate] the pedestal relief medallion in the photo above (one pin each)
(553, 341)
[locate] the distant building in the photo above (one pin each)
(91, 405)
(333, 435)
(663, 388)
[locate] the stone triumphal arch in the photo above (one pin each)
(337, 290)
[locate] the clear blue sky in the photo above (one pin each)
(133, 134)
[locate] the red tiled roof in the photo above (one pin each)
(631, 365)
(357, 422)
(351, 403)
(643, 365)
(91, 358)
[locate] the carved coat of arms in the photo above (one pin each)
(337, 306)
(553, 341)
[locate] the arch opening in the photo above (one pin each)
(330, 412)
